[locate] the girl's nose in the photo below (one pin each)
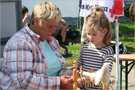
(90, 37)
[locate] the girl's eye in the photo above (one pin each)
(88, 33)
(94, 34)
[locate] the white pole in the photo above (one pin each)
(117, 53)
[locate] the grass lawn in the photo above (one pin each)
(126, 36)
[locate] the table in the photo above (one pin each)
(126, 58)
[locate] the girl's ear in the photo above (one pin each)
(36, 20)
(105, 31)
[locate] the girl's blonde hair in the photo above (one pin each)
(97, 18)
(46, 10)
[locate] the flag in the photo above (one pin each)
(113, 8)
(118, 8)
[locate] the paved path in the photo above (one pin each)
(131, 78)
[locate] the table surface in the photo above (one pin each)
(125, 57)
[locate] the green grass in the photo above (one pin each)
(125, 27)
(126, 36)
(75, 50)
(129, 43)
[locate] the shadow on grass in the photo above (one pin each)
(123, 39)
(129, 44)
(130, 50)
(126, 27)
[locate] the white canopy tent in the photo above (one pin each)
(68, 8)
(113, 9)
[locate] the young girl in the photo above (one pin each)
(98, 51)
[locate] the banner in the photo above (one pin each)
(112, 8)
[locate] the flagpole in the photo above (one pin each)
(117, 53)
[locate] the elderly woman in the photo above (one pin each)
(32, 57)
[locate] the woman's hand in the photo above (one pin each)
(79, 83)
(66, 82)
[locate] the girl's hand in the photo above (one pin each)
(79, 83)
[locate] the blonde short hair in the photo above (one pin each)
(97, 18)
(46, 10)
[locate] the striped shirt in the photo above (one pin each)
(24, 65)
(91, 58)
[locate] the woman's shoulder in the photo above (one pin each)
(20, 37)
